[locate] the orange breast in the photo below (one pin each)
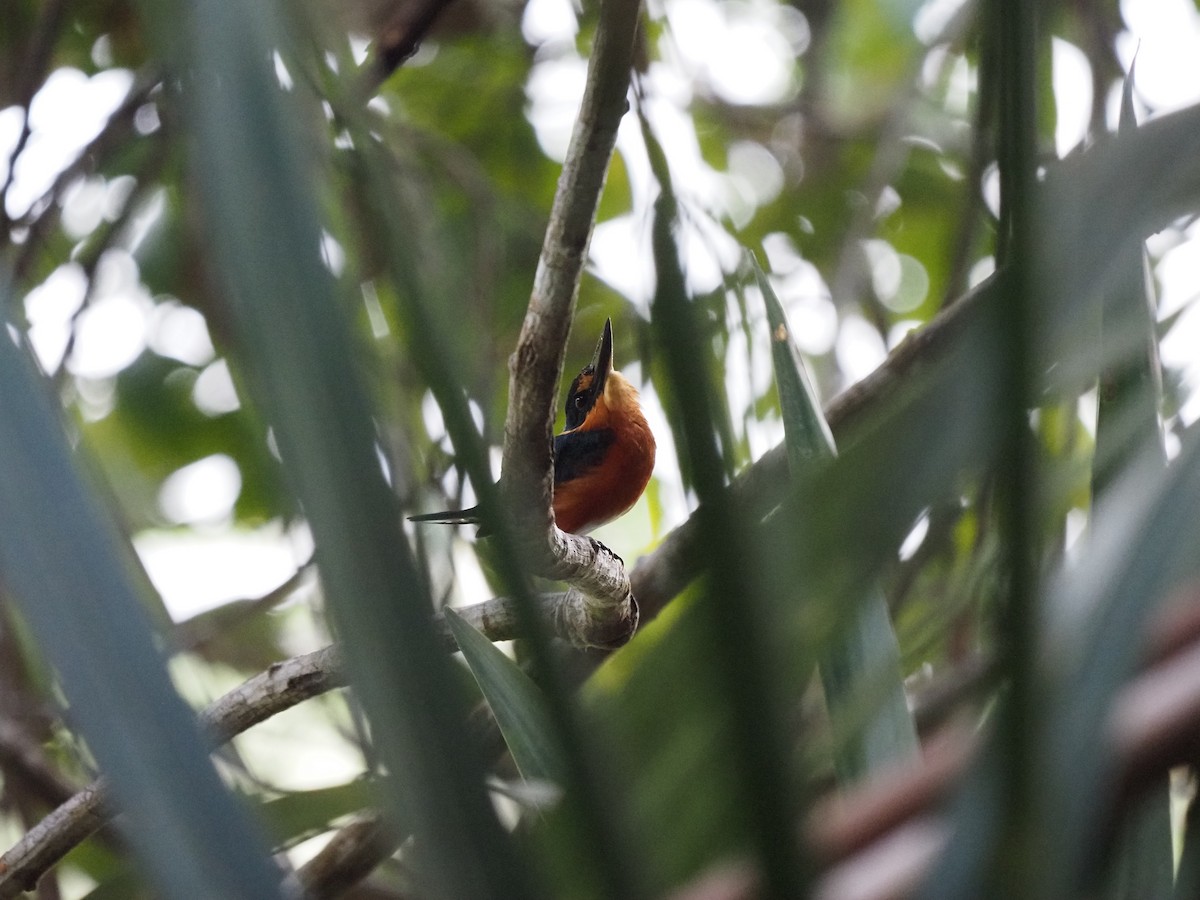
(611, 488)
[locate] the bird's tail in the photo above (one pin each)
(450, 517)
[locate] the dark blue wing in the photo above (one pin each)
(576, 452)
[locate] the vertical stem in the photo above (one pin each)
(1015, 38)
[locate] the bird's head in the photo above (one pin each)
(588, 386)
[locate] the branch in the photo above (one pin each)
(51, 839)
(22, 755)
(399, 39)
(280, 687)
(574, 617)
(352, 854)
(535, 369)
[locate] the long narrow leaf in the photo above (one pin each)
(1127, 426)
(62, 562)
(256, 180)
(1130, 395)
(519, 706)
(298, 815)
(731, 606)
(1013, 29)
(1099, 604)
(1187, 883)
(863, 670)
(807, 433)
(598, 842)
(1142, 864)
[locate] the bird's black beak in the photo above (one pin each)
(588, 386)
(602, 362)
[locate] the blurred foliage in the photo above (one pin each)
(865, 176)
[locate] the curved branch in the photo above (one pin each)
(52, 838)
(535, 369)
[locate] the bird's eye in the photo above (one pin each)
(579, 402)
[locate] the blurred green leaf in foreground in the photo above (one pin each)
(262, 270)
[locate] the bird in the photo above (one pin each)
(604, 457)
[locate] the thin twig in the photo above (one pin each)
(50, 840)
(350, 856)
(44, 211)
(33, 70)
(193, 635)
(280, 687)
(399, 39)
(20, 753)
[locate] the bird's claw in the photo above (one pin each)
(598, 548)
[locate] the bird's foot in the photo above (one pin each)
(604, 548)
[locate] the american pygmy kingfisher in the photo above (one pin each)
(604, 457)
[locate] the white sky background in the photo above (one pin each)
(742, 51)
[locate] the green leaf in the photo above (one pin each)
(672, 734)
(1094, 612)
(251, 164)
(1141, 863)
(298, 815)
(1128, 120)
(1127, 426)
(864, 688)
(1092, 209)
(123, 884)
(70, 574)
(807, 433)
(518, 705)
(1130, 390)
(738, 632)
